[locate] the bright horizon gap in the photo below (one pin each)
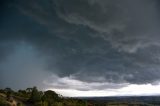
(141, 90)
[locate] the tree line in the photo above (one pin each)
(34, 97)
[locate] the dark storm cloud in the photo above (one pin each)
(20, 68)
(129, 26)
(125, 24)
(94, 41)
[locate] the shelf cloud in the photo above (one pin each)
(100, 43)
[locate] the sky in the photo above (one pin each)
(81, 47)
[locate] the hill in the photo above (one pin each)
(33, 97)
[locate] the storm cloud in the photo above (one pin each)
(100, 43)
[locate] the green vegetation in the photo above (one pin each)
(3, 102)
(34, 97)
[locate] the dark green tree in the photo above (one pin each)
(9, 92)
(35, 95)
(50, 97)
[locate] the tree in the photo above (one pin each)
(50, 97)
(9, 92)
(35, 95)
(29, 90)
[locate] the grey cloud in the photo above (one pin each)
(127, 25)
(23, 68)
(105, 41)
(71, 83)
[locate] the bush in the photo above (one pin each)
(19, 104)
(3, 102)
